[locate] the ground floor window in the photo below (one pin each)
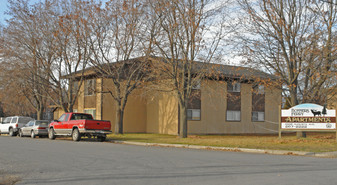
(257, 116)
(193, 114)
(233, 115)
(91, 111)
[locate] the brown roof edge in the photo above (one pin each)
(227, 71)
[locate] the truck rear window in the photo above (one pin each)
(81, 116)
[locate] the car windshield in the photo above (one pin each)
(81, 116)
(42, 123)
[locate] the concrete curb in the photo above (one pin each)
(247, 150)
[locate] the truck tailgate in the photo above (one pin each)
(97, 125)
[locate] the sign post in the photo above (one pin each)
(308, 117)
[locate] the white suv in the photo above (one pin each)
(11, 125)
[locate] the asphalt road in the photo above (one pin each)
(42, 161)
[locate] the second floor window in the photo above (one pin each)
(90, 87)
(233, 86)
(258, 103)
(233, 112)
(75, 87)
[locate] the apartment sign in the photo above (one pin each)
(308, 117)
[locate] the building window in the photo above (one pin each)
(196, 84)
(233, 86)
(259, 89)
(193, 114)
(233, 115)
(258, 103)
(90, 87)
(75, 87)
(257, 116)
(91, 111)
(233, 112)
(194, 105)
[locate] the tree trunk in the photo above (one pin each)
(294, 101)
(39, 114)
(119, 120)
(183, 121)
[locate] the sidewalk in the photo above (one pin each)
(248, 150)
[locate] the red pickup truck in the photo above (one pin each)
(77, 125)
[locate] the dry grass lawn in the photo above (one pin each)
(314, 142)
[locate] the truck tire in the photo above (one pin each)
(51, 134)
(76, 135)
(32, 134)
(101, 138)
(11, 132)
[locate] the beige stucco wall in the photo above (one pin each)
(135, 110)
(213, 111)
(57, 113)
(157, 112)
(80, 99)
(162, 113)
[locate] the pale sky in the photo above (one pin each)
(3, 9)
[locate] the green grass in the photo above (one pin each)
(314, 142)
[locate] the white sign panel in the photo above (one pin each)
(308, 117)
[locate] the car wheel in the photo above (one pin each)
(11, 132)
(32, 134)
(76, 135)
(101, 138)
(20, 133)
(51, 134)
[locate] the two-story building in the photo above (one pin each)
(242, 101)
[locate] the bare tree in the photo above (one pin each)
(184, 32)
(69, 49)
(114, 41)
(278, 38)
(49, 39)
(293, 40)
(20, 42)
(318, 81)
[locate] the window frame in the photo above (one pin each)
(227, 111)
(234, 86)
(191, 118)
(14, 120)
(264, 116)
(63, 116)
(92, 87)
(196, 85)
(9, 118)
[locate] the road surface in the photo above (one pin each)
(43, 161)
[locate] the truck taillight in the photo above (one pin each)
(41, 128)
(16, 125)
